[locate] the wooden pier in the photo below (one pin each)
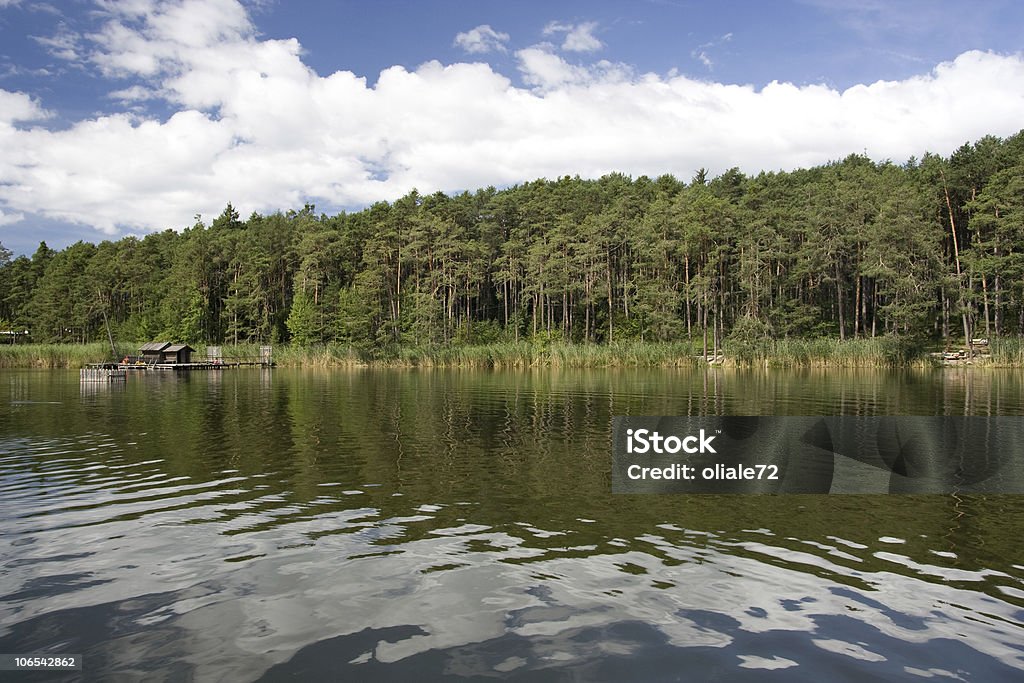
(174, 358)
(102, 372)
(198, 365)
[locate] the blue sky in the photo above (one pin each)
(127, 116)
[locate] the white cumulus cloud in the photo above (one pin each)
(578, 37)
(135, 93)
(481, 40)
(17, 106)
(254, 125)
(65, 44)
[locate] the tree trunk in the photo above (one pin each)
(704, 322)
(686, 274)
(839, 305)
(956, 254)
(856, 309)
(984, 300)
(608, 280)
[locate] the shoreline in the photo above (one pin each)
(879, 353)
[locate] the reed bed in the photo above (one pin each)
(1007, 352)
(773, 353)
(785, 353)
(877, 352)
(512, 354)
(60, 355)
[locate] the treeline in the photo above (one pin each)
(929, 250)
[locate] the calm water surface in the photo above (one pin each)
(272, 525)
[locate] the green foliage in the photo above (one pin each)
(903, 349)
(189, 328)
(422, 317)
(749, 340)
(303, 320)
(356, 322)
(772, 265)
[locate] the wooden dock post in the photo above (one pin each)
(101, 374)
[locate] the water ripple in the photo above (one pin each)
(230, 544)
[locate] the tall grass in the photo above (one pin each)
(777, 353)
(327, 355)
(509, 354)
(60, 355)
(849, 353)
(823, 352)
(1007, 351)
(872, 352)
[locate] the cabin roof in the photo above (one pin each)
(154, 346)
(174, 348)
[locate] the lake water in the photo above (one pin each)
(361, 525)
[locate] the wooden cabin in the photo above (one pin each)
(165, 352)
(152, 353)
(178, 353)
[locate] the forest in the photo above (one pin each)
(930, 251)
